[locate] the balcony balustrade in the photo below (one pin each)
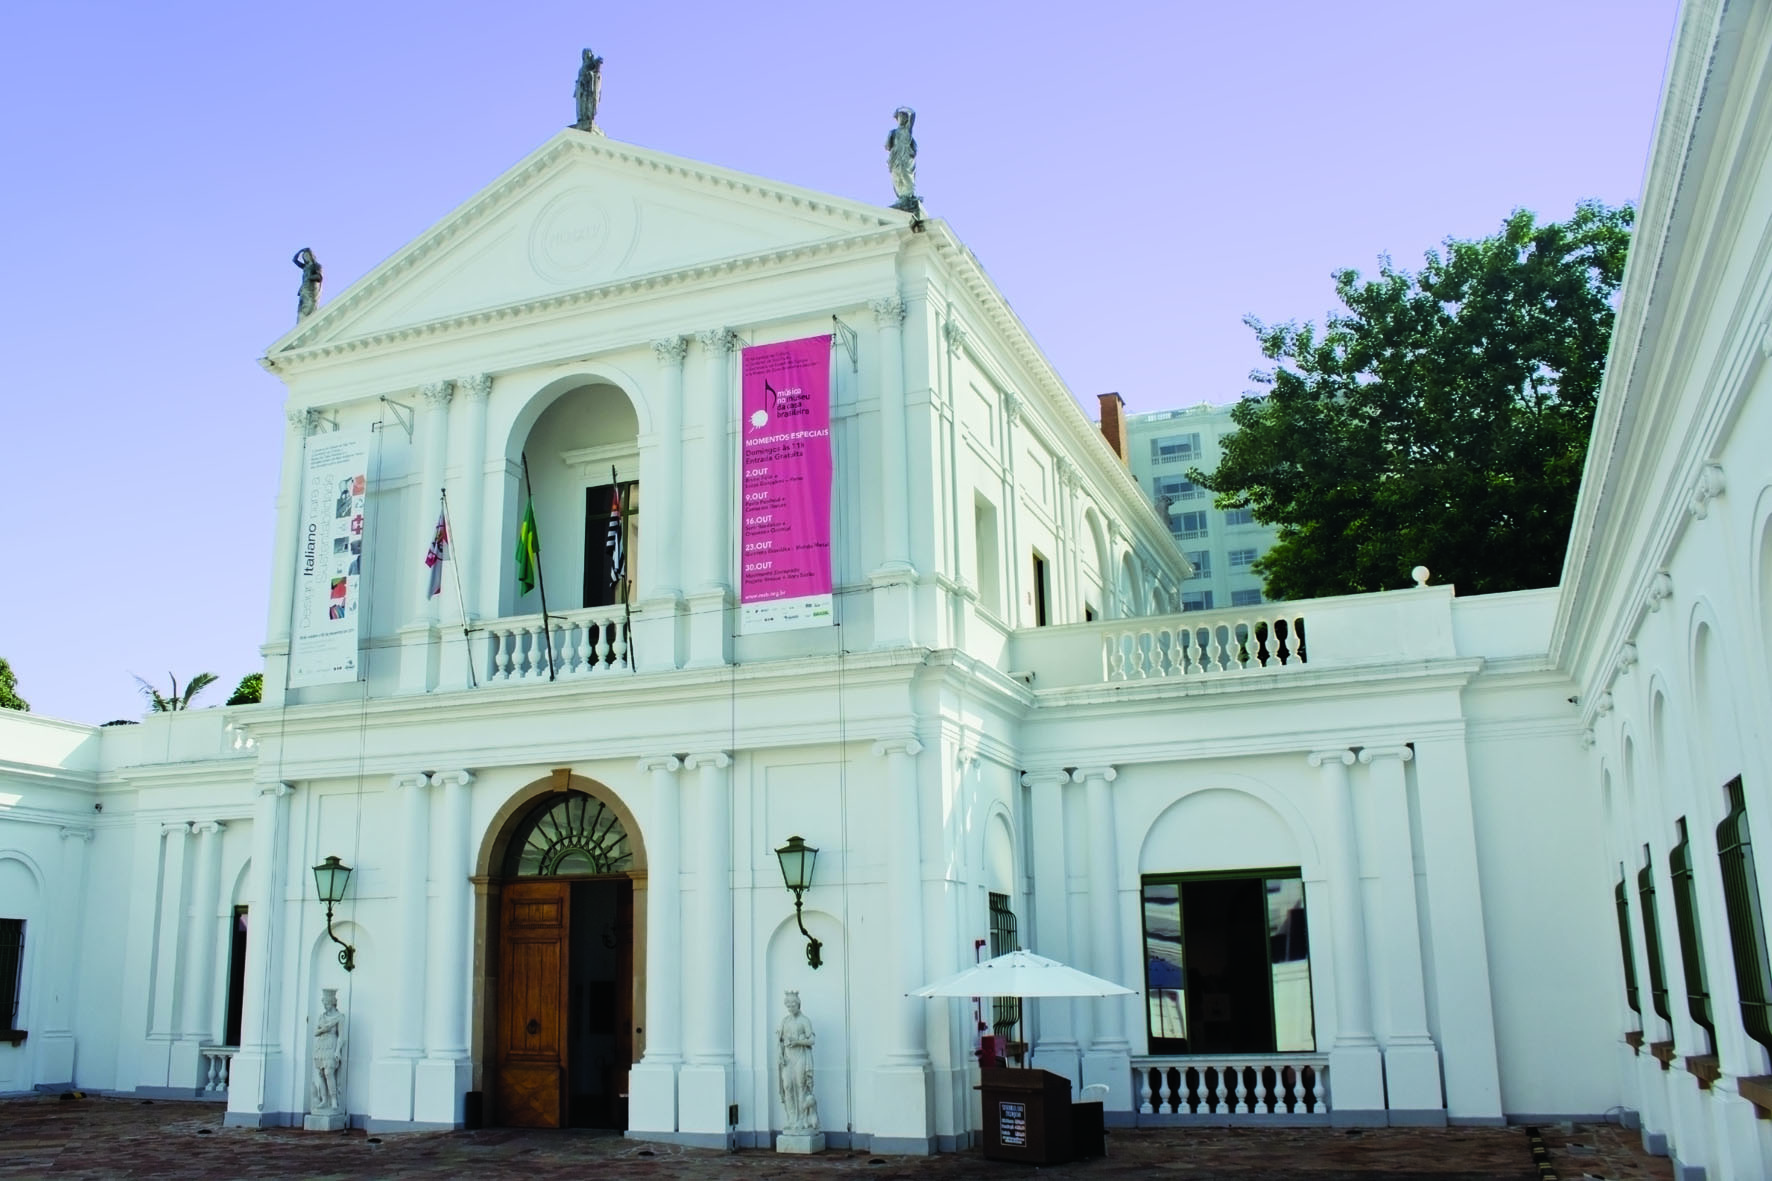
(1224, 1088)
(584, 643)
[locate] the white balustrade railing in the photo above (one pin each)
(1232, 1084)
(585, 643)
(1204, 644)
(215, 1064)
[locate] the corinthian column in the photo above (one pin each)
(1411, 1061)
(704, 1086)
(472, 555)
(446, 1073)
(901, 1087)
(1353, 1060)
(652, 1088)
(710, 519)
(894, 578)
(659, 573)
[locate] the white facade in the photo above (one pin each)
(1221, 545)
(1414, 770)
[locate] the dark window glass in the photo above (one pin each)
(1679, 865)
(570, 834)
(1005, 1010)
(1624, 945)
(1747, 928)
(1039, 591)
(236, 978)
(1652, 939)
(12, 961)
(602, 586)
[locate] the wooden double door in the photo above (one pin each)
(565, 1003)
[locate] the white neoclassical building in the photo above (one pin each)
(1363, 860)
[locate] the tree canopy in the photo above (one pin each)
(9, 698)
(1442, 419)
(161, 703)
(250, 690)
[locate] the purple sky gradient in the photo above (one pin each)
(1136, 178)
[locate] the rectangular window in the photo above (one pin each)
(1039, 590)
(1187, 525)
(1242, 559)
(1622, 905)
(1239, 516)
(1005, 1010)
(1679, 868)
(1652, 939)
(12, 965)
(1176, 488)
(1227, 963)
(236, 979)
(1245, 598)
(1196, 600)
(1747, 928)
(602, 587)
(1200, 560)
(1176, 448)
(984, 544)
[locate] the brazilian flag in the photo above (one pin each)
(528, 548)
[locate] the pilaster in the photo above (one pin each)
(1056, 1046)
(393, 1072)
(418, 652)
(903, 1101)
(55, 1046)
(652, 1085)
(1108, 1060)
(465, 492)
(446, 1072)
(1354, 1060)
(252, 1090)
(283, 554)
(705, 1082)
(894, 578)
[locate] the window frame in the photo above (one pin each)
(12, 978)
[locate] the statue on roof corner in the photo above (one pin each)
(588, 91)
(901, 161)
(308, 297)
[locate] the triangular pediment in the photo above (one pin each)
(582, 211)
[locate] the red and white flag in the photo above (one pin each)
(434, 556)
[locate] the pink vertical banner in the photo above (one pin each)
(785, 486)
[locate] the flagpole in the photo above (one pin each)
(541, 584)
(620, 576)
(460, 602)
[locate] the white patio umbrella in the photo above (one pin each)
(1022, 974)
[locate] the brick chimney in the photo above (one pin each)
(1113, 423)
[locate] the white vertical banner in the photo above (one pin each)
(323, 642)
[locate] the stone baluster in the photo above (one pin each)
(1354, 1059)
(1411, 1060)
(251, 1103)
(1056, 1049)
(653, 1082)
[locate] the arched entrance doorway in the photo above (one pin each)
(564, 996)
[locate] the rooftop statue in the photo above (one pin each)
(588, 91)
(901, 160)
(308, 297)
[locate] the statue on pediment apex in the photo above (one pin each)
(588, 91)
(901, 160)
(307, 298)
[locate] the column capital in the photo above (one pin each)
(300, 420)
(716, 341)
(1013, 406)
(455, 777)
(182, 828)
(1045, 777)
(887, 311)
(412, 779)
(76, 834)
(208, 826)
(1400, 753)
(717, 759)
(671, 350)
(1343, 756)
(478, 385)
(954, 335)
(898, 746)
(276, 789)
(1084, 774)
(437, 393)
(669, 763)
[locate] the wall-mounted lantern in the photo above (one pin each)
(330, 877)
(797, 858)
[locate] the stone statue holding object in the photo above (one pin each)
(793, 1065)
(588, 91)
(328, 1113)
(901, 161)
(308, 297)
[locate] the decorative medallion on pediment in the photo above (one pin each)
(580, 237)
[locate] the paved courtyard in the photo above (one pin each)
(99, 1137)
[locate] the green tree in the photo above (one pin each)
(9, 698)
(1442, 419)
(163, 704)
(250, 690)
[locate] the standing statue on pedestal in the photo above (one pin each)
(901, 161)
(588, 91)
(793, 1064)
(308, 298)
(329, 1063)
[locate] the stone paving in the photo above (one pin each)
(119, 1137)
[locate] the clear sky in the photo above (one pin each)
(1136, 178)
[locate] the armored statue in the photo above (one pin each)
(308, 297)
(588, 91)
(793, 1064)
(329, 1055)
(901, 160)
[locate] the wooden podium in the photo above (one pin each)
(1027, 1116)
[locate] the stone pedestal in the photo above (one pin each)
(799, 1143)
(1358, 1072)
(331, 1121)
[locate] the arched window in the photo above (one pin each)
(570, 834)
